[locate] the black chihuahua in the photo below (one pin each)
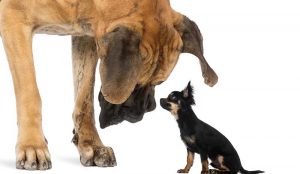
(201, 138)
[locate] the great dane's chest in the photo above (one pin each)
(63, 17)
(75, 17)
(66, 29)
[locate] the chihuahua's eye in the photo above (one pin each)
(173, 97)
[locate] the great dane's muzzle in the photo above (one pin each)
(132, 110)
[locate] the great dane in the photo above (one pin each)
(138, 43)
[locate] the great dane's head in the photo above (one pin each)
(137, 53)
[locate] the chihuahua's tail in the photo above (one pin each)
(243, 171)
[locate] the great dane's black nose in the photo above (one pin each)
(132, 110)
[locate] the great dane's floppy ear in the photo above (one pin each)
(120, 64)
(193, 43)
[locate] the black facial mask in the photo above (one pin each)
(132, 110)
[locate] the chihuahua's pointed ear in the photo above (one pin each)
(188, 90)
(188, 93)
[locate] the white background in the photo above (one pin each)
(254, 48)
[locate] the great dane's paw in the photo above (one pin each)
(91, 150)
(210, 77)
(98, 156)
(105, 157)
(33, 157)
(182, 171)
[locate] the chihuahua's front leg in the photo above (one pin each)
(205, 169)
(189, 162)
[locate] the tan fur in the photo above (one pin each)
(87, 139)
(190, 139)
(154, 20)
(160, 47)
(189, 163)
(174, 110)
(220, 160)
(205, 169)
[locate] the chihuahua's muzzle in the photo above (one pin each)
(165, 104)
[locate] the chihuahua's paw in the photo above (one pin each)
(205, 172)
(182, 171)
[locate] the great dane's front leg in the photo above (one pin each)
(92, 151)
(31, 148)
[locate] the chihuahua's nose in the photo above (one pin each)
(162, 101)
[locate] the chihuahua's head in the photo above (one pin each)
(179, 101)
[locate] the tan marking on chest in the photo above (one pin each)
(190, 139)
(174, 110)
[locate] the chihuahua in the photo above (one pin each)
(201, 138)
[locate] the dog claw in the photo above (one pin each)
(43, 166)
(86, 162)
(49, 164)
(30, 165)
(105, 157)
(33, 165)
(20, 164)
(33, 158)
